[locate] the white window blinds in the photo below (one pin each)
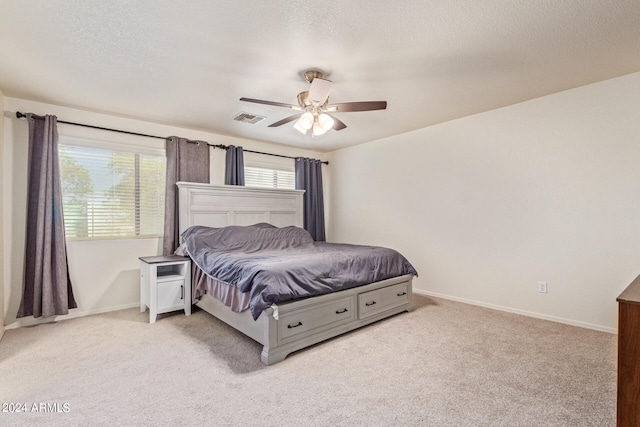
(272, 178)
(268, 171)
(111, 194)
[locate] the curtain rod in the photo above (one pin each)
(224, 147)
(21, 115)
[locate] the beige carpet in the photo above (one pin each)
(445, 364)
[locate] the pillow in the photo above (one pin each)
(252, 238)
(262, 225)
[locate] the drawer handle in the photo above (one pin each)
(369, 304)
(294, 326)
(401, 294)
(344, 310)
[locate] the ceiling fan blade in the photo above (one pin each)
(357, 106)
(319, 91)
(285, 120)
(275, 104)
(337, 124)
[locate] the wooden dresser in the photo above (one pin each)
(628, 408)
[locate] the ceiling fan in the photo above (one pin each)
(314, 107)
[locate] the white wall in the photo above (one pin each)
(487, 206)
(104, 273)
(2, 228)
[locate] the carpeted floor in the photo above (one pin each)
(444, 364)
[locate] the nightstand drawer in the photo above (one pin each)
(374, 302)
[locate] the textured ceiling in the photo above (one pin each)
(187, 63)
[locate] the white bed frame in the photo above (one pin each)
(299, 324)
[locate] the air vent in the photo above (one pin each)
(252, 119)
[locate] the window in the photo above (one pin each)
(268, 171)
(108, 193)
(266, 177)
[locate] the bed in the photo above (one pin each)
(290, 325)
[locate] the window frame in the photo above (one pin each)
(135, 148)
(270, 163)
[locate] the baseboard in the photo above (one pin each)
(517, 311)
(74, 313)
(32, 321)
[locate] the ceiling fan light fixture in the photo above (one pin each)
(325, 121)
(306, 121)
(299, 128)
(318, 129)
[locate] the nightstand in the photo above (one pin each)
(165, 285)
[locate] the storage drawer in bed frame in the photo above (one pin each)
(374, 302)
(312, 320)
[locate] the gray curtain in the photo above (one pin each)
(186, 161)
(234, 171)
(46, 287)
(309, 178)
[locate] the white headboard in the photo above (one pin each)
(222, 205)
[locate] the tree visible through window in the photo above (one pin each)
(110, 193)
(76, 186)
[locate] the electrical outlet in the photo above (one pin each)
(542, 287)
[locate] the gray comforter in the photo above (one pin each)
(282, 264)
